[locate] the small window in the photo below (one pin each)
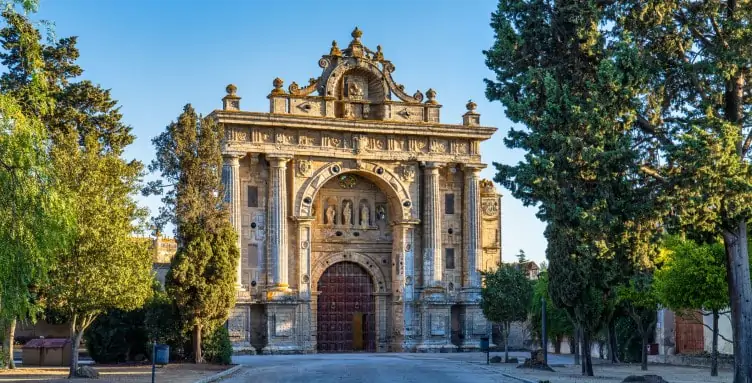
(449, 259)
(449, 203)
(252, 196)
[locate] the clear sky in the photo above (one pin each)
(158, 55)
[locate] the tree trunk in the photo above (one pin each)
(506, 341)
(74, 348)
(197, 356)
(557, 345)
(644, 359)
(576, 348)
(613, 354)
(714, 351)
(740, 292)
(11, 339)
(587, 361)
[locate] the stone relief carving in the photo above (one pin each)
(490, 207)
(406, 173)
(304, 168)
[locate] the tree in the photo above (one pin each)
(692, 64)
(102, 268)
(34, 215)
(505, 298)
(521, 258)
(693, 277)
(642, 304)
(581, 162)
(201, 277)
(558, 325)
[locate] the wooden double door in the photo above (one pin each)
(346, 317)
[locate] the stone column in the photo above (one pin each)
(277, 221)
(403, 285)
(432, 251)
(231, 182)
(471, 227)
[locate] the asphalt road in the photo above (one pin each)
(366, 368)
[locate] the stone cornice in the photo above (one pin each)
(359, 126)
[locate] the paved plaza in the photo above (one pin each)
(366, 368)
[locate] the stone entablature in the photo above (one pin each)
(352, 175)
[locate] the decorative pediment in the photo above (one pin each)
(358, 84)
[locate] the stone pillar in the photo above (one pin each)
(471, 228)
(432, 251)
(277, 222)
(231, 182)
(403, 287)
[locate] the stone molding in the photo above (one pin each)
(365, 261)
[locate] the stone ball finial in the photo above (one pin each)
(471, 106)
(278, 83)
(431, 94)
(356, 33)
(231, 89)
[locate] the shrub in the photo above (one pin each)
(117, 336)
(217, 347)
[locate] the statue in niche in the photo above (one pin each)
(365, 216)
(330, 213)
(347, 214)
(380, 213)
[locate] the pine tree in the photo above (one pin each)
(201, 278)
(555, 74)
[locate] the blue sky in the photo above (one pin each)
(156, 56)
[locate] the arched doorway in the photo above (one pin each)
(345, 318)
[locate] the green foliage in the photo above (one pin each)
(117, 336)
(558, 324)
(628, 340)
(202, 275)
(693, 276)
(217, 348)
(506, 295)
(102, 267)
(35, 216)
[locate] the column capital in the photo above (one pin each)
(473, 167)
(233, 157)
(278, 159)
(432, 164)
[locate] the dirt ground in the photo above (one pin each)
(177, 373)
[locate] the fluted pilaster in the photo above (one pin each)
(432, 254)
(231, 182)
(471, 229)
(277, 222)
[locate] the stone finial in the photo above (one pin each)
(231, 101)
(278, 83)
(471, 117)
(431, 94)
(335, 49)
(356, 33)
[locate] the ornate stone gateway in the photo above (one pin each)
(362, 220)
(346, 317)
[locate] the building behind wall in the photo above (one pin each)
(363, 223)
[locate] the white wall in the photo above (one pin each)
(724, 328)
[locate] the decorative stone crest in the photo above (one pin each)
(490, 207)
(406, 172)
(304, 168)
(487, 187)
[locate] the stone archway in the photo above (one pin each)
(346, 312)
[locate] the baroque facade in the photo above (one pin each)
(363, 223)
